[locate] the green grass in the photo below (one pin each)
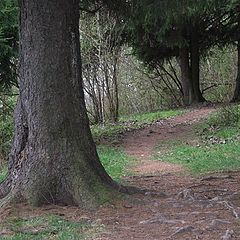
(227, 132)
(47, 227)
(219, 147)
(115, 161)
(130, 122)
(205, 158)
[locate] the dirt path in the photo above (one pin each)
(141, 143)
(175, 205)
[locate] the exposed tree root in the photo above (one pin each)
(135, 190)
(162, 220)
(5, 187)
(183, 230)
(8, 199)
(231, 208)
(228, 235)
(211, 190)
(210, 178)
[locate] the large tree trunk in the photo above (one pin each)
(236, 96)
(185, 76)
(53, 158)
(195, 68)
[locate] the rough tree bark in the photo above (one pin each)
(195, 68)
(236, 95)
(53, 157)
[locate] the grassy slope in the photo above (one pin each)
(205, 158)
(115, 161)
(219, 147)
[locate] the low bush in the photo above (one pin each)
(225, 117)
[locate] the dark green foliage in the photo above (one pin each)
(8, 42)
(159, 28)
(162, 30)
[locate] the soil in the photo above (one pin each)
(175, 204)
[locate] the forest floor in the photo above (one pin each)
(175, 203)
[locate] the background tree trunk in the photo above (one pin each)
(195, 68)
(185, 76)
(115, 94)
(236, 96)
(53, 158)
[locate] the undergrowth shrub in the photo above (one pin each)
(222, 126)
(225, 117)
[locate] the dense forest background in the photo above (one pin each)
(131, 59)
(159, 83)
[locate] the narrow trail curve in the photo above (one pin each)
(177, 206)
(141, 143)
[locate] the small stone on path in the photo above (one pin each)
(228, 235)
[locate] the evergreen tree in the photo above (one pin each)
(163, 29)
(231, 34)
